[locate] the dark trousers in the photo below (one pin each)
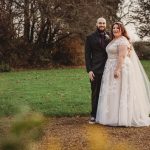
(95, 89)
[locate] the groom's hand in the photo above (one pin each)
(91, 75)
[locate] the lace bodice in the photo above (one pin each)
(112, 47)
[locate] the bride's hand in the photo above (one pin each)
(129, 52)
(116, 74)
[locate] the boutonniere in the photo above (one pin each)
(107, 37)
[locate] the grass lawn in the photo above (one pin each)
(56, 92)
(60, 92)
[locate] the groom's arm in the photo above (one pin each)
(88, 55)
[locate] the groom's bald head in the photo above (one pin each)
(101, 19)
(101, 23)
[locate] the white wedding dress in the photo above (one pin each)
(124, 101)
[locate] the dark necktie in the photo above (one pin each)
(102, 41)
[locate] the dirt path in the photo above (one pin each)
(76, 134)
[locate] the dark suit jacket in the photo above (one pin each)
(95, 53)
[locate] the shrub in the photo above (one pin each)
(24, 130)
(70, 52)
(4, 67)
(142, 49)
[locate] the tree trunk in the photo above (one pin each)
(26, 21)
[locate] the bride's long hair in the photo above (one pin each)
(122, 28)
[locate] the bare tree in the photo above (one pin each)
(143, 18)
(136, 12)
(39, 27)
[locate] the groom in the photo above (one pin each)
(95, 59)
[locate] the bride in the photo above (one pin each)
(124, 98)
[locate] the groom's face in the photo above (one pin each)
(101, 24)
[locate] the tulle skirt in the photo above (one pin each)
(122, 101)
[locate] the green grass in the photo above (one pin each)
(146, 65)
(61, 92)
(56, 92)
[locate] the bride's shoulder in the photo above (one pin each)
(123, 40)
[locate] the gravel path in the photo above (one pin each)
(75, 133)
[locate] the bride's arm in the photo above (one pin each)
(122, 52)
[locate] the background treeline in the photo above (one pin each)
(47, 33)
(42, 33)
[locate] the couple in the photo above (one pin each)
(120, 87)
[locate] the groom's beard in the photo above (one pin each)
(101, 29)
